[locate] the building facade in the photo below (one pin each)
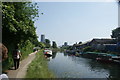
(43, 38)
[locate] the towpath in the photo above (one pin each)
(21, 71)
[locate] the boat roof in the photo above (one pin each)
(107, 54)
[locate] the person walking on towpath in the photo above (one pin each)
(16, 57)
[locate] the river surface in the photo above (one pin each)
(70, 66)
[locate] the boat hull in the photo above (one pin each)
(48, 52)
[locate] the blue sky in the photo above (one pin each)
(76, 21)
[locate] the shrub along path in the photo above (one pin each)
(21, 71)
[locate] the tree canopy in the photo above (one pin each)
(18, 28)
(54, 45)
(18, 21)
(47, 43)
(116, 34)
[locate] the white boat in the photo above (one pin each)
(48, 52)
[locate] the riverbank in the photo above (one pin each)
(39, 67)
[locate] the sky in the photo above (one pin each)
(76, 21)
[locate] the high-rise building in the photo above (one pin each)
(42, 38)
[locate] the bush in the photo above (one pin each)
(88, 48)
(26, 49)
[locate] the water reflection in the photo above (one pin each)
(54, 54)
(49, 57)
(70, 66)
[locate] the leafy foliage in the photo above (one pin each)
(27, 49)
(88, 48)
(54, 45)
(116, 34)
(18, 21)
(18, 27)
(80, 43)
(47, 43)
(42, 45)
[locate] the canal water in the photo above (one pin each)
(70, 66)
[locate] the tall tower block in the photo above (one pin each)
(42, 38)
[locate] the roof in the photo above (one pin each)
(102, 40)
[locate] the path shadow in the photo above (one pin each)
(11, 68)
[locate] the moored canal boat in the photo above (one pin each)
(48, 52)
(102, 57)
(109, 58)
(91, 55)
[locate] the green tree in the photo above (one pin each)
(47, 43)
(80, 42)
(18, 21)
(18, 27)
(42, 45)
(88, 48)
(116, 34)
(34, 41)
(54, 45)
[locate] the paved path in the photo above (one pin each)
(21, 72)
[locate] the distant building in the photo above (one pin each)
(42, 38)
(104, 45)
(101, 41)
(95, 43)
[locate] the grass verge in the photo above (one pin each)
(38, 68)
